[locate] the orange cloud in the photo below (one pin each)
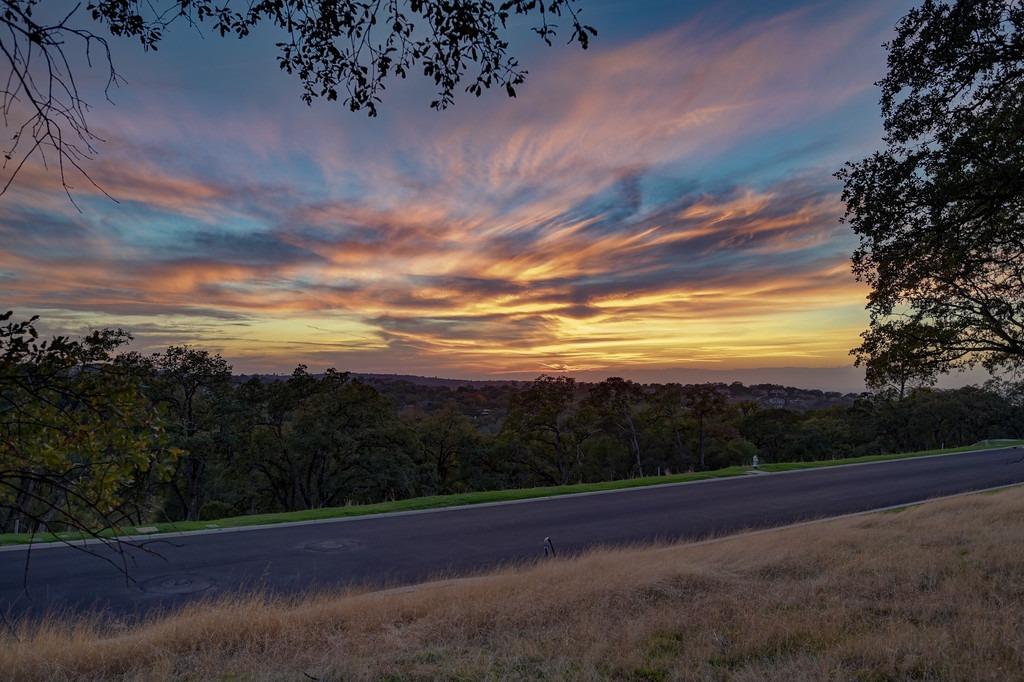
(507, 239)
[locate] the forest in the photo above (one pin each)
(94, 436)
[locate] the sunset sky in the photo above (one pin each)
(664, 200)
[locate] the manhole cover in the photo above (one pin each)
(176, 584)
(334, 545)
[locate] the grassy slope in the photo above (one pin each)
(934, 592)
(439, 501)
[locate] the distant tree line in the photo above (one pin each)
(93, 438)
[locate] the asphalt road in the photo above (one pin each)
(412, 547)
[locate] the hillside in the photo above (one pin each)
(929, 592)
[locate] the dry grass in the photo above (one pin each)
(930, 593)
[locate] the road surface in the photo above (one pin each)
(412, 547)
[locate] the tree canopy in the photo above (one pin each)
(345, 50)
(940, 210)
(80, 446)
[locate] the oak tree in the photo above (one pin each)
(940, 210)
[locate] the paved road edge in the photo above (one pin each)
(141, 539)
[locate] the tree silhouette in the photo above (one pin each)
(445, 438)
(343, 50)
(180, 378)
(940, 211)
(703, 401)
(540, 421)
(614, 402)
